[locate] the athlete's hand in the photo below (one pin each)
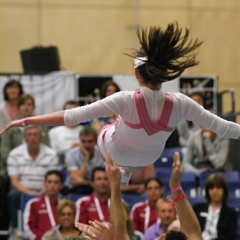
(112, 171)
(87, 230)
(176, 174)
(102, 231)
(12, 124)
(96, 230)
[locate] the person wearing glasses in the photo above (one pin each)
(66, 211)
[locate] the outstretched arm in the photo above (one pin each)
(114, 104)
(52, 119)
(188, 220)
(117, 216)
(197, 114)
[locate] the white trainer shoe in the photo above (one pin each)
(125, 176)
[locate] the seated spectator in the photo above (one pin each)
(96, 205)
(66, 211)
(144, 214)
(9, 109)
(27, 165)
(206, 151)
(186, 128)
(216, 219)
(64, 138)
(117, 229)
(136, 183)
(81, 160)
(11, 140)
(14, 137)
(108, 88)
(40, 214)
(166, 215)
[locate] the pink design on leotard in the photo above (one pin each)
(104, 130)
(145, 121)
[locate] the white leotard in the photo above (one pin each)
(130, 146)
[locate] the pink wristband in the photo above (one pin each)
(23, 122)
(176, 189)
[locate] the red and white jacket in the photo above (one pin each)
(91, 208)
(40, 215)
(143, 216)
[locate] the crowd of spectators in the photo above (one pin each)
(60, 161)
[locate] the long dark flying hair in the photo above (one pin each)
(168, 51)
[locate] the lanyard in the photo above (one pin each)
(147, 217)
(50, 213)
(99, 209)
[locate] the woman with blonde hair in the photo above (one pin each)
(66, 212)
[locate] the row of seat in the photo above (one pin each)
(131, 199)
(166, 158)
(194, 188)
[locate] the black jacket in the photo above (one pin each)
(227, 223)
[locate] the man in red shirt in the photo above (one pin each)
(96, 205)
(40, 214)
(144, 214)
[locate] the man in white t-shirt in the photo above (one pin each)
(64, 138)
(27, 166)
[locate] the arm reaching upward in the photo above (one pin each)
(188, 220)
(189, 224)
(117, 228)
(117, 216)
